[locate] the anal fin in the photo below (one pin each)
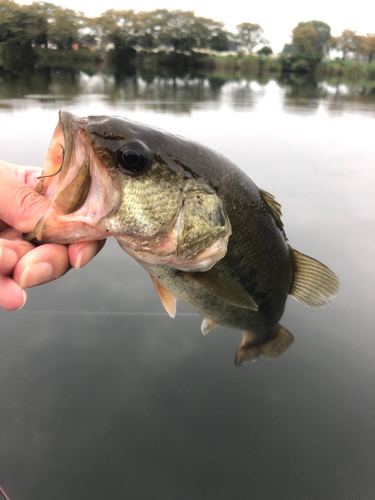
(273, 348)
(277, 344)
(167, 299)
(247, 350)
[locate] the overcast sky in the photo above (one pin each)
(277, 17)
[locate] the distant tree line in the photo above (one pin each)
(315, 37)
(43, 24)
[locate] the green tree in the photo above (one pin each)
(63, 27)
(18, 24)
(305, 38)
(16, 36)
(105, 25)
(148, 26)
(41, 14)
(309, 42)
(265, 51)
(210, 34)
(289, 48)
(249, 35)
(117, 27)
(179, 29)
(219, 41)
(300, 62)
(14, 23)
(8, 15)
(366, 46)
(185, 31)
(317, 38)
(347, 42)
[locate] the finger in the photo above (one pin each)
(27, 175)
(11, 251)
(41, 265)
(11, 238)
(10, 234)
(12, 296)
(8, 260)
(32, 176)
(80, 254)
(21, 207)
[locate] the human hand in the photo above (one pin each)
(22, 265)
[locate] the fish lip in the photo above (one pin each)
(73, 176)
(66, 120)
(62, 140)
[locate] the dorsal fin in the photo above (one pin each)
(167, 299)
(275, 209)
(313, 283)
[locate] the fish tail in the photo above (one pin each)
(312, 283)
(273, 348)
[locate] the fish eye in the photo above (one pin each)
(132, 158)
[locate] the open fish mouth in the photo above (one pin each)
(80, 187)
(66, 177)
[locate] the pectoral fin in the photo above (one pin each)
(224, 288)
(273, 348)
(167, 299)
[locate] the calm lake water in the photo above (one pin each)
(102, 395)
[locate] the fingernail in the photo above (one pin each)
(78, 262)
(86, 254)
(24, 299)
(36, 274)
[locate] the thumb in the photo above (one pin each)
(20, 206)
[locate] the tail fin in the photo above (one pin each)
(313, 283)
(274, 348)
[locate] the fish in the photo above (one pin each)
(202, 229)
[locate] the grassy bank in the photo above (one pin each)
(300, 65)
(246, 63)
(67, 58)
(350, 70)
(16, 60)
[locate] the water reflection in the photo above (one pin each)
(108, 402)
(178, 90)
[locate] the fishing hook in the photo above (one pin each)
(59, 170)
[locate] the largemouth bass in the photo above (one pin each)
(206, 234)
